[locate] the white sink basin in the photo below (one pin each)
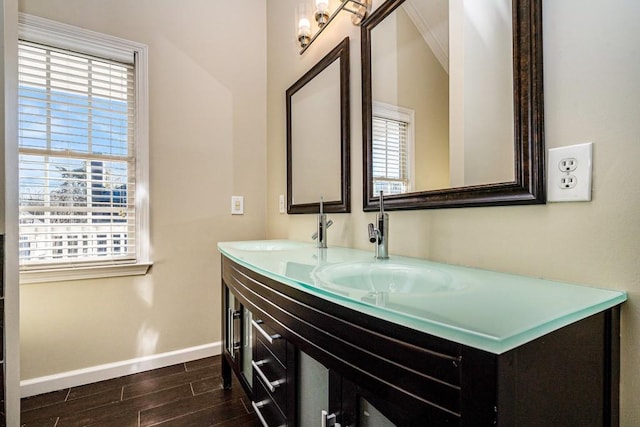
(385, 276)
(266, 245)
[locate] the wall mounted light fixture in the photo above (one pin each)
(358, 8)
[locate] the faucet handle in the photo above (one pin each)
(373, 235)
(314, 236)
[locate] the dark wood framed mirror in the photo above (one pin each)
(502, 107)
(318, 136)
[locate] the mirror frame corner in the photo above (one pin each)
(340, 53)
(529, 148)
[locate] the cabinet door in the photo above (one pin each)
(233, 330)
(247, 346)
(313, 391)
(327, 399)
(364, 408)
(238, 339)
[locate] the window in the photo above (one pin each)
(82, 153)
(392, 151)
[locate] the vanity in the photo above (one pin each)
(335, 337)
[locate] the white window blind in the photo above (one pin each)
(77, 158)
(390, 156)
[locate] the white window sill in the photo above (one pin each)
(83, 273)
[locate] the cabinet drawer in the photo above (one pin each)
(272, 374)
(276, 344)
(265, 407)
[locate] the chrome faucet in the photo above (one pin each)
(323, 224)
(380, 234)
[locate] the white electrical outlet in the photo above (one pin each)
(568, 164)
(281, 204)
(569, 173)
(568, 181)
(237, 205)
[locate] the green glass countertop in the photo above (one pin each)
(483, 309)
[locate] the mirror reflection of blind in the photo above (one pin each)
(390, 156)
(77, 160)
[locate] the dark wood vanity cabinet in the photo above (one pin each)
(569, 377)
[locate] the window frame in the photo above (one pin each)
(43, 31)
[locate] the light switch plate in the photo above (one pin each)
(569, 173)
(237, 205)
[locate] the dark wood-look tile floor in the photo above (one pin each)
(187, 394)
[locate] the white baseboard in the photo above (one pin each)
(107, 371)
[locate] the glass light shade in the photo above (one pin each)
(304, 27)
(322, 5)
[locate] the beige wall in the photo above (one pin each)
(207, 72)
(592, 93)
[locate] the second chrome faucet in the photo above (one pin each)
(379, 233)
